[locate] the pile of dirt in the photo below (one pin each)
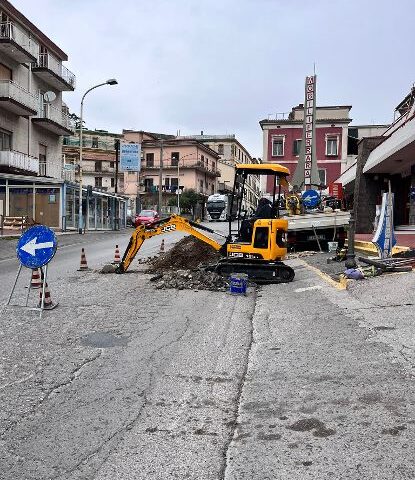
(193, 280)
(189, 253)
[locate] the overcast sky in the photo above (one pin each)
(222, 65)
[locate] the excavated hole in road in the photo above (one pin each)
(183, 267)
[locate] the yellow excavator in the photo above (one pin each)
(255, 246)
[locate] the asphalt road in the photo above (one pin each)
(123, 381)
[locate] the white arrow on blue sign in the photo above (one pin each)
(36, 247)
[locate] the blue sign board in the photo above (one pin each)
(311, 198)
(130, 157)
(36, 246)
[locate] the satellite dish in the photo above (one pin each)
(49, 97)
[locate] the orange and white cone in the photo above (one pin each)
(117, 258)
(35, 281)
(162, 246)
(83, 265)
(48, 304)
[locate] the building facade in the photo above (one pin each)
(187, 164)
(231, 152)
(33, 119)
(282, 140)
(389, 156)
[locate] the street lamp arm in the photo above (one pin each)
(92, 88)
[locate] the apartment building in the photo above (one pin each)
(282, 140)
(231, 152)
(187, 164)
(33, 119)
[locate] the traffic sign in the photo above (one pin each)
(36, 246)
(311, 198)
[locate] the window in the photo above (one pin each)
(296, 147)
(233, 150)
(201, 185)
(5, 73)
(213, 189)
(98, 181)
(94, 142)
(112, 182)
(220, 149)
(203, 159)
(278, 146)
(213, 165)
(149, 184)
(322, 175)
(5, 140)
(175, 158)
(42, 153)
(331, 145)
(171, 183)
(150, 159)
(112, 164)
(98, 166)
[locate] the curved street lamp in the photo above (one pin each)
(110, 81)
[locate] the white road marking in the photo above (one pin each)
(305, 289)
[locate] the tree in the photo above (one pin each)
(189, 199)
(76, 121)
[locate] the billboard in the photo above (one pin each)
(130, 157)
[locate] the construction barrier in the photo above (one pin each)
(35, 281)
(162, 246)
(117, 258)
(47, 304)
(83, 265)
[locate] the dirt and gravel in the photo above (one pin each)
(183, 267)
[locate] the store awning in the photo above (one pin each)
(348, 176)
(395, 153)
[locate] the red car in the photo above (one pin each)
(146, 217)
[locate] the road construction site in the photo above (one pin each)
(128, 378)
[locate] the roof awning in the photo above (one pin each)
(395, 152)
(348, 176)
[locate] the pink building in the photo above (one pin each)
(282, 140)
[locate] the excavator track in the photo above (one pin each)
(257, 271)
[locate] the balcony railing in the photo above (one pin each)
(197, 164)
(50, 169)
(55, 115)
(88, 143)
(13, 91)
(21, 161)
(47, 60)
(10, 31)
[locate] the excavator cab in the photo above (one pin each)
(256, 245)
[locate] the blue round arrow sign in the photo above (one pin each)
(311, 198)
(36, 246)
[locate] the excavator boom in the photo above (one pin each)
(166, 225)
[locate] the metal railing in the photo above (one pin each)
(16, 92)
(89, 143)
(13, 159)
(55, 114)
(47, 60)
(183, 164)
(11, 31)
(50, 169)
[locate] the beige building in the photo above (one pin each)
(98, 159)
(33, 119)
(231, 152)
(187, 164)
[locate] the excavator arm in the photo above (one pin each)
(167, 225)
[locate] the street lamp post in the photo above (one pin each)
(111, 81)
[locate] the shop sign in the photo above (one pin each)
(336, 190)
(309, 129)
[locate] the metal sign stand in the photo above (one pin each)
(41, 306)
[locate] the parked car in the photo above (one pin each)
(146, 217)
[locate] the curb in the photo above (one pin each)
(342, 284)
(369, 248)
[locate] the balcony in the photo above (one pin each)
(191, 164)
(89, 143)
(51, 70)
(53, 119)
(17, 99)
(51, 169)
(16, 44)
(18, 161)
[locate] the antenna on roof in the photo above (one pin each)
(314, 67)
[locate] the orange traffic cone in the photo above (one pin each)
(162, 246)
(48, 304)
(83, 265)
(35, 281)
(117, 258)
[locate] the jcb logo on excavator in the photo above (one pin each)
(168, 228)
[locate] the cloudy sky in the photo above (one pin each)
(222, 65)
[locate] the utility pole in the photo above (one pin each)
(116, 218)
(161, 178)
